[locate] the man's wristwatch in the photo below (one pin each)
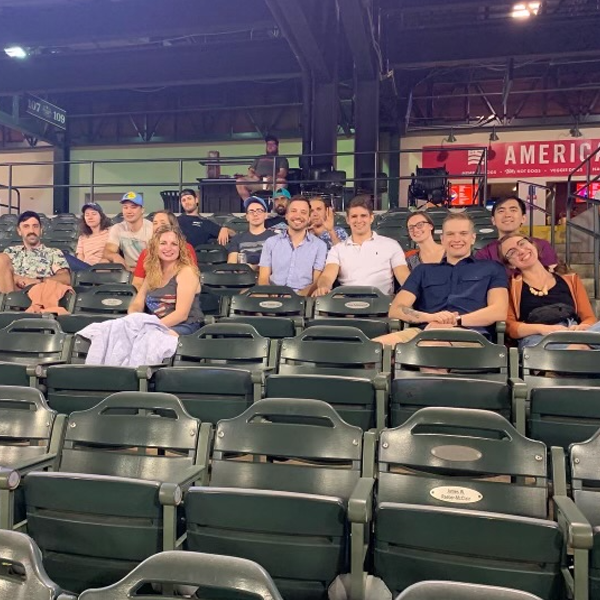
(459, 321)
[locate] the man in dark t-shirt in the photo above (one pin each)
(264, 170)
(196, 229)
(246, 247)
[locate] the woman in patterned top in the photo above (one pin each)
(420, 229)
(171, 288)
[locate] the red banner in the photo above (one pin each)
(517, 160)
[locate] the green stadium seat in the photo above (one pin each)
(209, 255)
(463, 496)
(478, 374)
(356, 306)
(26, 345)
(563, 408)
(115, 499)
(22, 573)
(30, 435)
(585, 485)
(19, 301)
(339, 365)
(101, 274)
(454, 590)
(108, 299)
(228, 279)
(218, 371)
(275, 311)
(283, 474)
(206, 575)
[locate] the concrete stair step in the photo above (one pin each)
(585, 271)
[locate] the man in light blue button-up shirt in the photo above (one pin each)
(294, 257)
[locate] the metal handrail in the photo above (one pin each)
(533, 206)
(595, 231)
(179, 182)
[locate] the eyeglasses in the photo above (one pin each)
(417, 226)
(258, 211)
(522, 243)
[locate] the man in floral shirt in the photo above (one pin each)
(32, 262)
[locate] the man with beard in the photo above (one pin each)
(281, 199)
(31, 262)
(197, 229)
(295, 257)
(263, 169)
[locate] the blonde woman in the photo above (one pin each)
(172, 286)
(160, 219)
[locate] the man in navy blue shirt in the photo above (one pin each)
(458, 292)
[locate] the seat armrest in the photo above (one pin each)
(9, 479)
(189, 476)
(559, 471)
(41, 371)
(396, 325)
(37, 462)
(259, 375)
(576, 528)
(360, 505)
(519, 403)
(146, 372)
(382, 380)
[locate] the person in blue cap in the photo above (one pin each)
(127, 239)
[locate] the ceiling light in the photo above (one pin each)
(523, 10)
(15, 52)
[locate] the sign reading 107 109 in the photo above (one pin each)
(42, 109)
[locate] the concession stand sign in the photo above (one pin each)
(554, 159)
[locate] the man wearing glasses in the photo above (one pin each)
(246, 247)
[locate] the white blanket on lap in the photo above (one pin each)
(132, 341)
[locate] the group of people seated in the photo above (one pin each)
(442, 285)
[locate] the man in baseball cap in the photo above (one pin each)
(126, 240)
(281, 199)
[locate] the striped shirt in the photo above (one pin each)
(90, 248)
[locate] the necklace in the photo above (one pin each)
(537, 292)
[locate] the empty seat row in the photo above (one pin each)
(452, 494)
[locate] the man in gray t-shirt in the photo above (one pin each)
(264, 170)
(247, 246)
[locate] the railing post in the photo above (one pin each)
(180, 176)
(530, 197)
(552, 218)
(10, 186)
(596, 222)
(92, 174)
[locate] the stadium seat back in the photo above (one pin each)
(228, 279)
(463, 496)
(101, 274)
(105, 299)
(477, 374)
(281, 477)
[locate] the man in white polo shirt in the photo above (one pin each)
(365, 258)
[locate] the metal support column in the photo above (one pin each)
(366, 123)
(324, 122)
(61, 179)
(394, 162)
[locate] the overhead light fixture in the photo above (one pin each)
(524, 10)
(451, 138)
(575, 132)
(15, 52)
(494, 136)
